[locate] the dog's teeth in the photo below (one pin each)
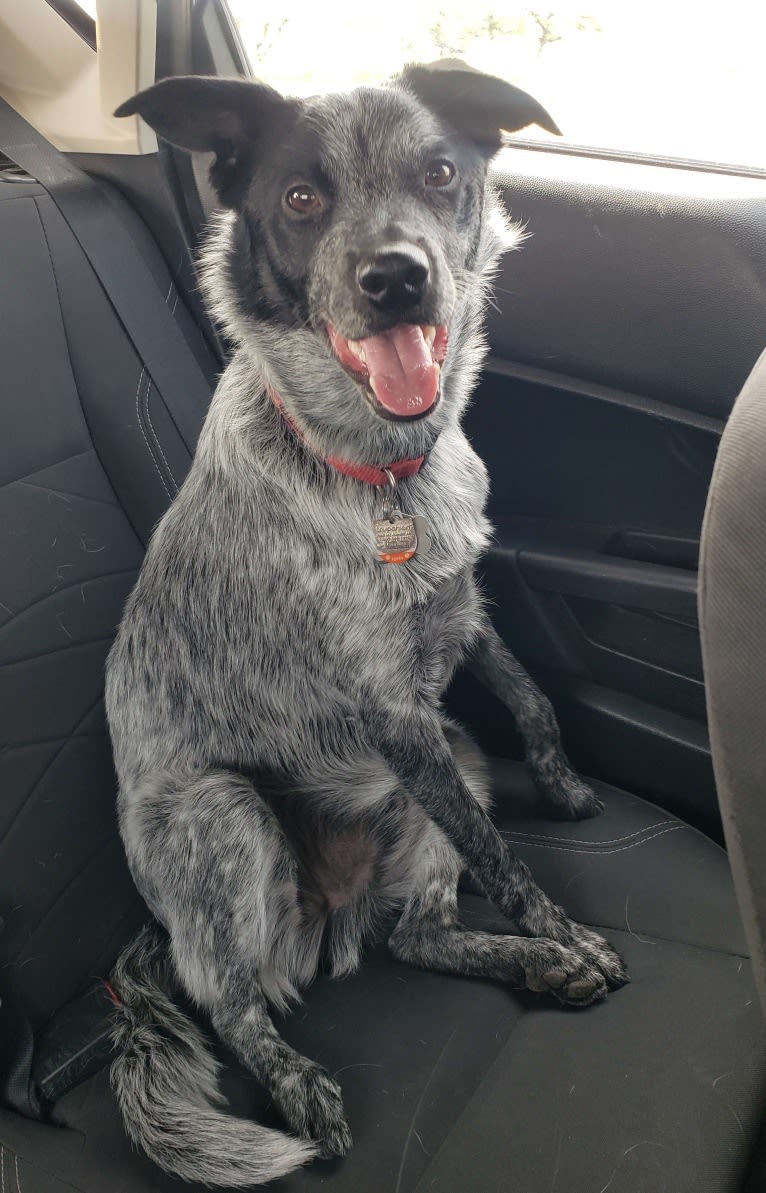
(429, 335)
(357, 350)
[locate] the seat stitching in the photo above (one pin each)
(33, 658)
(611, 841)
(143, 432)
(622, 849)
(18, 1178)
(38, 192)
(687, 944)
(89, 451)
(106, 843)
(148, 395)
(35, 743)
(2, 1168)
(17, 613)
(63, 493)
(51, 762)
(51, 205)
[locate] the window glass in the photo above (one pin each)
(673, 77)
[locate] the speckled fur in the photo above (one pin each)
(287, 775)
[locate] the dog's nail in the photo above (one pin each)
(555, 978)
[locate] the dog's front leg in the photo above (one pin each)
(414, 746)
(564, 792)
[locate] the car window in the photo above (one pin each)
(665, 77)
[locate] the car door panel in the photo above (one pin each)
(621, 335)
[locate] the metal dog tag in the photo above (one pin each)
(398, 536)
(423, 534)
(395, 537)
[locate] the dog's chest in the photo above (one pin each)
(403, 625)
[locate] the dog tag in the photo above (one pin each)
(395, 537)
(423, 534)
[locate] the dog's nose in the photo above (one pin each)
(394, 277)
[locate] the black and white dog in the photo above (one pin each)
(287, 774)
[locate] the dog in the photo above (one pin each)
(287, 776)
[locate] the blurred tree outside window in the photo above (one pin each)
(677, 78)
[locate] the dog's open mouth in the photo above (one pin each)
(399, 369)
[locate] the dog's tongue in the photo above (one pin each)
(403, 374)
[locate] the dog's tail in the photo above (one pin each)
(164, 1076)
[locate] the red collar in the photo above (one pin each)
(367, 473)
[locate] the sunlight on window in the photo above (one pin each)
(672, 77)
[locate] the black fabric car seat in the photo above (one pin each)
(733, 626)
(450, 1084)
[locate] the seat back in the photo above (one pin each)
(733, 627)
(89, 460)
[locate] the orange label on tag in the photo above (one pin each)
(396, 556)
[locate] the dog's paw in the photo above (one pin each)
(555, 969)
(599, 954)
(578, 974)
(312, 1105)
(568, 797)
(590, 958)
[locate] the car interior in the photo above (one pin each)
(621, 338)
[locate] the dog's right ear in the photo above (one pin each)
(228, 117)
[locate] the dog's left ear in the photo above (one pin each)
(479, 106)
(228, 117)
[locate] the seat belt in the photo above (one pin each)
(118, 264)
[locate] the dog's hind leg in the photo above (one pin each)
(217, 870)
(565, 794)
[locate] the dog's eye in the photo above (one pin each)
(303, 199)
(439, 173)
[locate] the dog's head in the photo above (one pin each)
(359, 239)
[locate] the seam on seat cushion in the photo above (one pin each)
(155, 436)
(149, 393)
(71, 736)
(469, 912)
(140, 422)
(34, 1166)
(581, 841)
(49, 596)
(574, 848)
(15, 480)
(38, 191)
(46, 654)
(27, 484)
(72, 371)
(38, 742)
(143, 407)
(105, 843)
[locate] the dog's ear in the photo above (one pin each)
(228, 117)
(479, 106)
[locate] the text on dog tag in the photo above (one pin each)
(396, 538)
